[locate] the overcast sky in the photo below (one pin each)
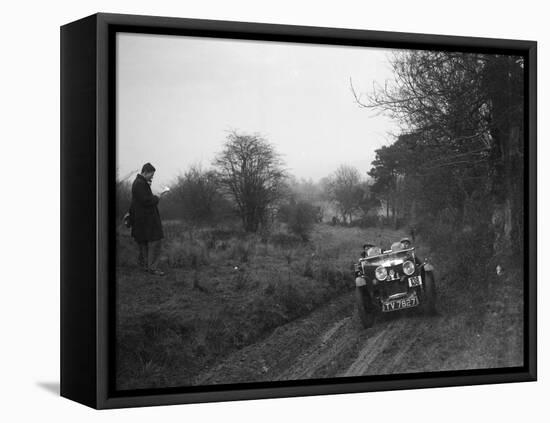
(178, 96)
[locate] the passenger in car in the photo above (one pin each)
(374, 251)
(405, 245)
(365, 249)
(406, 242)
(397, 246)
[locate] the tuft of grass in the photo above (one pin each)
(285, 241)
(308, 268)
(242, 249)
(240, 279)
(187, 254)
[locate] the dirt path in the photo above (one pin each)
(330, 343)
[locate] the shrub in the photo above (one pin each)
(367, 222)
(300, 218)
(241, 250)
(465, 250)
(195, 198)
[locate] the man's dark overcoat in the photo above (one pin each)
(146, 223)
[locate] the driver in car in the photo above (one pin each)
(366, 249)
(405, 244)
(370, 250)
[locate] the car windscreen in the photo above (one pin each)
(390, 259)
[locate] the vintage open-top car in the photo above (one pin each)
(393, 280)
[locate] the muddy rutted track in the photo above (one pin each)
(374, 346)
(348, 350)
(251, 316)
(330, 343)
(275, 357)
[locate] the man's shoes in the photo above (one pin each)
(156, 272)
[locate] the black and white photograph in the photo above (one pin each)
(275, 211)
(296, 211)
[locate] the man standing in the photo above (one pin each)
(146, 223)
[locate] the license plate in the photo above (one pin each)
(415, 281)
(399, 304)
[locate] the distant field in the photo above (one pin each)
(223, 290)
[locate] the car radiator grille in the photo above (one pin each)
(394, 287)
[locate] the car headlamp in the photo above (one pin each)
(408, 267)
(381, 273)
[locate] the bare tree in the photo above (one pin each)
(251, 171)
(343, 188)
(195, 196)
(464, 115)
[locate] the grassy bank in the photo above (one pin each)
(483, 310)
(223, 290)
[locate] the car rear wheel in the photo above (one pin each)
(429, 294)
(365, 309)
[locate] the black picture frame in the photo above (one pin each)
(87, 207)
